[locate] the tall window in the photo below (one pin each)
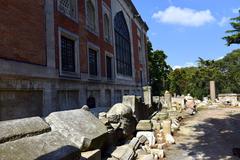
(91, 16)
(123, 48)
(109, 67)
(68, 7)
(93, 62)
(67, 54)
(106, 28)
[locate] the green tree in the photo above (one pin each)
(158, 70)
(234, 38)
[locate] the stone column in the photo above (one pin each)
(50, 34)
(212, 90)
(168, 99)
(147, 95)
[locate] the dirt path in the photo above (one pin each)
(211, 134)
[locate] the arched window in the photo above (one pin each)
(106, 28)
(91, 16)
(122, 43)
(68, 7)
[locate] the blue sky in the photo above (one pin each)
(188, 29)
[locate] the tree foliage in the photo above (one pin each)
(234, 38)
(158, 69)
(195, 80)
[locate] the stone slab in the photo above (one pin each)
(144, 125)
(134, 143)
(79, 126)
(124, 152)
(149, 135)
(91, 155)
(16, 129)
(47, 146)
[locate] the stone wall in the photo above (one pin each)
(20, 103)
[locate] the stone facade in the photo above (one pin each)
(32, 77)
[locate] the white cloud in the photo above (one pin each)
(219, 58)
(188, 64)
(184, 16)
(236, 10)
(223, 21)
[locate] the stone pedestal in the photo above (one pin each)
(147, 95)
(166, 127)
(168, 99)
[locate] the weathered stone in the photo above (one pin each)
(169, 139)
(175, 125)
(124, 152)
(79, 126)
(149, 135)
(158, 152)
(147, 90)
(112, 158)
(121, 116)
(102, 115)
(120, 110)
(166, 127)
(16, 129)
(146, 157)
(212, 90)
(190, 104)
(86, 108)
(47, 146)
(134, 143)
(156, 125)
(139, 109)
(142, 139)
(91, 155)
(161, 116)
(144, 125)
(190, 111)
(168, 99)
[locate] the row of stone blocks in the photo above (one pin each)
(60, 136)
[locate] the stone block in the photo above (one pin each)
(134, 143)
(124, 152)
(158, 152)
(147, 90)
(79, 126)
(149, 135)
(142, 139)
(16, 129)
(166, 127)
(144, 125)
(91, 155)
(47, 146)
(156, 125)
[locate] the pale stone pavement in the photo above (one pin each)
(211, 135)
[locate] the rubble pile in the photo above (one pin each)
(131, 130)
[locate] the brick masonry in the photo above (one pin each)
(29, 65)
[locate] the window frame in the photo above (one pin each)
(107, 11)
(123, 40)
(108, 54)
(74, 37)
(97, 49)
(96, 29)
(68, 15)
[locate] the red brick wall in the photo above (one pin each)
(84, 35)
(22, 30)
(137, 64)
(108, 2)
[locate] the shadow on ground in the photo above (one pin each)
(215, 138)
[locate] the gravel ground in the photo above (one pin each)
(211, 135)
